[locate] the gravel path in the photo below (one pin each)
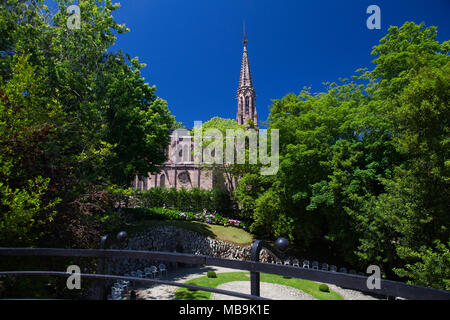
(268, 290)
(165, 292)
(349, 294)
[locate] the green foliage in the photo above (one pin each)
(194, 199)
(73, 115)
(25, 125)
(249, 188)
(324, 288)
(322, 140)
(23, 209)
(413, 213)
(429, 266)
(364, 169)
(112, 125)
(211, 274)
(230, 171)
(269, 218)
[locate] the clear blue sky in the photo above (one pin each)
(193, 48)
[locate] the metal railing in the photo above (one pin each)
(349, 281)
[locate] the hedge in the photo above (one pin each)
(193, 200)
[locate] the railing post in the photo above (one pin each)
(255, 276)
(281, 245)
(100, 287)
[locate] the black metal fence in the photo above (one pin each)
(349, 281)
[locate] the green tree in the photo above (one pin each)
(231, 171)
(27, 121)
(413, 93)
(77, 114)
(364, 166)
(431, 267)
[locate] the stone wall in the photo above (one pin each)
(170, 239)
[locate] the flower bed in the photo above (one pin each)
(173, 214)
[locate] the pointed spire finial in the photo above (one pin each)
(245, 40)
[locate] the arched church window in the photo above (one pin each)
(144, 183)
(162, 181)
(186, 153)
(183, 177)
(247, 104)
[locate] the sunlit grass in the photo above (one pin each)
(307, 286)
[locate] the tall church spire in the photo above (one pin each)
(246, 92)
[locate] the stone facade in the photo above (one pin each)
(179, 170)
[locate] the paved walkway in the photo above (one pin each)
(268, 290)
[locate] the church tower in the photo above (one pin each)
(246, 92)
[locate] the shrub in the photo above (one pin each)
(165, 204)
(324, 288)
(211, 274)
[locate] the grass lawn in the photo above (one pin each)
(307, 286)
(228, 234)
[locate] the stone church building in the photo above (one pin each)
(179, 170)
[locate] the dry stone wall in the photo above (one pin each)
(170, 239)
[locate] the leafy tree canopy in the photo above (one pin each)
(364, 169)
(73, 113)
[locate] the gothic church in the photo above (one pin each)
(179, 170)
